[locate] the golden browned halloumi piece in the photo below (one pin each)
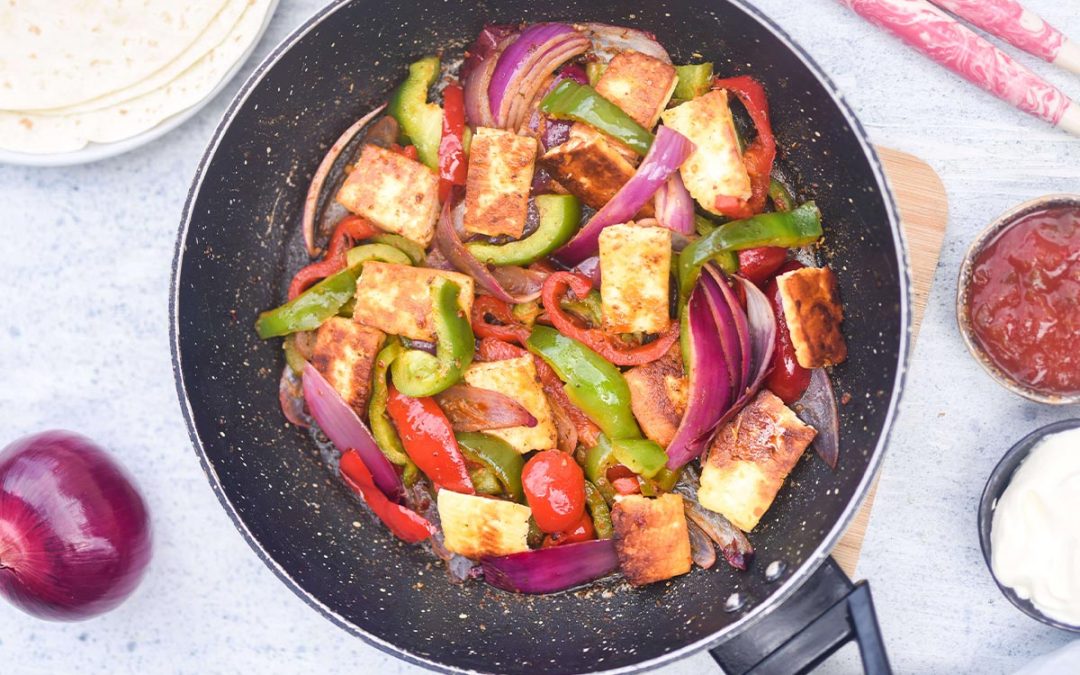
(344, 354)
(750, 458)
(651, 537)
(640, 85)
(478, 526)
(396, 299)
(813, 314)
(635, 262)
(715, 168)
(658, 393)
(396, 193)
(497, 187)
(517, 379)
(590, 167)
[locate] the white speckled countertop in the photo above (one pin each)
(84, 272)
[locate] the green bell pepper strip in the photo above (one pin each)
(694, 80)
(407, 246)
(666, 479)
(598, 459)
(380, 252)
(421, 122)
(348, 309)
(484, 481)
(497, 456)
(594, 70)
(417, 373)
(559, 219)
(780, 196)
(580, 102)
(799, 227)
(592, 384)
(641, 456)
(308, 310)
(293, 357)
(599, 511)
(382, 429)
(589, 308)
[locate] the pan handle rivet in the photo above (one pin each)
(734, 603)
(775, 569)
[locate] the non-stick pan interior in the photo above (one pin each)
(242, 244)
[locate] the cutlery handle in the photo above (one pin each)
(1020, 27)
(955, 46)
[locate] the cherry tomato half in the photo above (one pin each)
(555, 489)
(787, 379)
(758, 264)
(583, 531)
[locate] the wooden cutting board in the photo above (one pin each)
(924, 213)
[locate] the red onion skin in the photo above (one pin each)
(75, 534)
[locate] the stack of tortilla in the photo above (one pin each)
(100, 71)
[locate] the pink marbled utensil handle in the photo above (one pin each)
(958, 48)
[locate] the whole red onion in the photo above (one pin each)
(74, 531)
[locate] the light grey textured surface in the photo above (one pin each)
(84, 273)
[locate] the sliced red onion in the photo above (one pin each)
(709, 384)
(702, 550)
(553, 131)
(525, 65)
(449, 243)
(742, 329)
(547, 570)
(668, 152)
(520, 281)
(607, 41)
(590, 267)
(733, 543)
(817, 407)
(342, 426)
(675, 206)
(735, 358)
(291, 397)
(315, 190)
(475, 409)
(481, 58)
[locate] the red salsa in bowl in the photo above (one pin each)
(1019, 304)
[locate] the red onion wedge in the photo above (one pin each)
(74, 531)
(743, 349)
(590, 267)
(668, 152)
(675, 206)
(312, 202)
(342, 426)
(731, 331)
(547, 570)
(525, 65)
(733, 544)
(481, 58)
(702, 550)
(449, 244)
(291, 397)
(607, 41)
(475, 409)
(817, 407)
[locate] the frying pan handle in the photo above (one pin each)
(823, 615)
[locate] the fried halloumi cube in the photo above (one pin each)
(396, 299)
(517, 379)
(396, 193)
(344, 354)
(750, 458)
(479, 526)
(500, 177)
(715, 168)
(640, 85)
(658, 392)
(590, 167)
(635, 262)
(813, 314)
(651, 538)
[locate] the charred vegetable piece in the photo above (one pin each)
(592, 383)
(570, 100)
(382, 429)
(429, 440)
(497, 455)
(694, 80)
(559, 218)
(598, 510)
(645, 458)
(420, 121)
(309, 309)
(417, 373)
(790, 229)
(405, 523)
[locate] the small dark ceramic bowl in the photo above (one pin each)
(963, 292)
(999, 479)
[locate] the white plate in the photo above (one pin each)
(97, 151)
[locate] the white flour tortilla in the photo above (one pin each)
(60, 53)
(33, 133)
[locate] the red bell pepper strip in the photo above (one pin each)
(491, 349)
(759, 264)
(409, 151)
(452, 166)
(786, 378)
(609, 347)
(349, 230)
(405, 523)
(509, 328)
(759, 155)
(429, 440)
(623, 480)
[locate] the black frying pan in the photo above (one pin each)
(240, 243)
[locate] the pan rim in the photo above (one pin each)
(769, 605)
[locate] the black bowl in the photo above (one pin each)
(999, 479)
